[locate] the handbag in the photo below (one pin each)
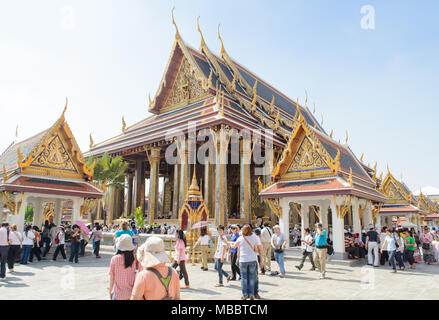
(426, 246)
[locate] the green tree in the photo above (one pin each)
(108, 172)
(140, 220)
(29, 214)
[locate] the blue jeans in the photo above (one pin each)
(280, 261)
(27, 248)
(398, 257)
(249, 272)
(392, 259)
(221, 272)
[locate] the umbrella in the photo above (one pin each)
(83, 226)
(200, 224)
(408, 225)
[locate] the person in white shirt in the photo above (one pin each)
(203, 240)
(220, 254)
(266, 235)
(27, 244)
(307, 250)
(4, 248)
(248, 245)
(15, 239)
(60, 242)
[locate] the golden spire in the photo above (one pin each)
(375, 166)
(388, 170)
(301, 119)
(347, 137)
(202, 43)
(177, 34)
(194, 185)
(332, 132)
(221, 40)
(381, 176)
(91, 142)
(361, 158)
(350, 181)
(5, 175)
(306, 98)
(124, 125)
(65, 109)
(20, 157)
(337, 159)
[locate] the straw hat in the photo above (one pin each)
(152, 252)
(124, 243)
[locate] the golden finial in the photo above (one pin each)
(301, 119)
(16, 132)
(321, 123)
(272, 109)
(361, 158)
(202, 43)
(194, 185)
(177, 34)
(124, 125)
(233, 82)
(5, 175)
(20, 157)
(401, 176)
(150, 100)
(261, 186)
(388, 170)
(375, 166)
(381, 176)
(347, 137)
(314, 109)
(350, 181)
(221, 40)
(337, 159)
(91, 142)
(410, 196)
(65, 108)
(276, 120)
(306, 97)
(332, 132)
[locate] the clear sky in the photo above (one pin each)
(106, 55)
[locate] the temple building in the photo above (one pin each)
(205, 99)
(401, 204)
(48, 173)
(320, 180)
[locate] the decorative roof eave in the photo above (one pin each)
(24, 162)
(287, 155)
(184, 49)
(391, 179)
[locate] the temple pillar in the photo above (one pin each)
(284, 220)
(139, 192)
(184, 172)
(221, 178)
(18, 219)
(206, 183)
(154, 157)
(175, 192)
(245, 191)
(58, 213)
(76, 210)
(368, 217)
(323, 218)
(129, 198)
(337, 231)
(38, 212)
(356, 222)
(304, 208)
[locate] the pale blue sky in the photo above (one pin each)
(107, 55)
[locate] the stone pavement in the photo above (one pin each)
(89, 280)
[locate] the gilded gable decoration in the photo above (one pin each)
(306, 158)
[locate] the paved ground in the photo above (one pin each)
(89, 280)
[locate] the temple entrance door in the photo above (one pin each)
(48, 212)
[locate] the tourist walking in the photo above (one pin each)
(46, 238)
(4, 248)
(97, 237)
(180, 256)
(266, 234)
(434, 243)
(372, 239)
(157, 281)
(203, 241)
(399, 250)
(389, 245)
(123, 269)
(234, 254)
(83, 242)
(384, 256)
(15, 239)
(75, 243)
(220, 254)
(248, 246)
(307, 250)
(27, 244)
(426, 239)
(279, 242)
(36, 247)
(60, 243)
(409, 249)
(321, 249)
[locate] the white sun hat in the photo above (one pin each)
(152, 252)
(124, 243)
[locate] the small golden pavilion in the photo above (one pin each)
(48, 172)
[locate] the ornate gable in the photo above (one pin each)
(393, 193)
(392, 188)
(186, 89)
(307, 158)
(57, 154)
